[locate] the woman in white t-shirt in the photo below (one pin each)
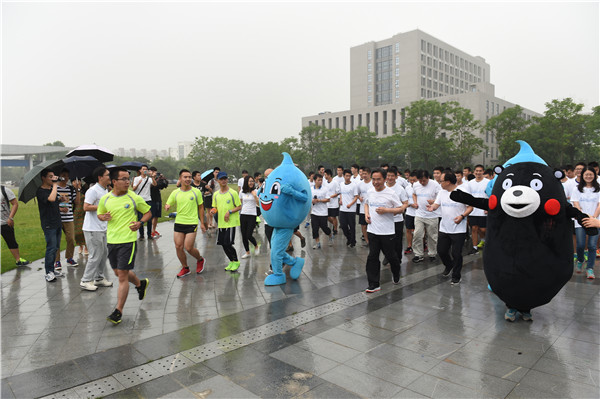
(249, 201)
(586, 198)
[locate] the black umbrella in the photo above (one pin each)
(100, 153)
(32, 180)
(207, 175)
(132, 165)
(80, 167)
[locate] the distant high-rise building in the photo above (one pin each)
(388, 75)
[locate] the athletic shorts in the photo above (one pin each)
(333, 212)
(185, 228)
(8, 233)
(409, 222)
(207, 202)
(296, 228)
(358, 209)
(226, 236)
(122, 256)
(361, 219)
(156, 209)
(480, 221)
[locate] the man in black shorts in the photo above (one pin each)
(119, 208)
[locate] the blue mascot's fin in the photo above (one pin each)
(287, 159)
(525, 154)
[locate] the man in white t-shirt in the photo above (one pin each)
(391, 181)
(363, 187)
(339, 177)
(333, 206)
(348, 198)
(94, 230)
(381, 204)
(411, 212)
(425, 191)
(141, 186)
(318, 213)
(240, 181)
(478, 218)
(453, 227)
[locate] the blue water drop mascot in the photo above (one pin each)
(285, 202)
(528, 254)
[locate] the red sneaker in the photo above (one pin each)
(183, 272)
(200, 266)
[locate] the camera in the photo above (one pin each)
(315, 197)
(61, 179)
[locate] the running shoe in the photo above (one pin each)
(351, 245)
(88, 286)
(373, 289)
(71, 262)
(446, 272)
(396, 280)
(183, 272)
(22, 262)
(302, 242)
(335, 232)
(257, 249)
(103, 283)
(598, 253)
(418, 259)
(331, 240)
(317, 246)
(235, 265)
(58, 273)
(57, 266)
(50, 277)
(385, 261)
(290, 248)
(432, 258)
(481, 244)
(455, 281)
(142, 288)
(473, 251)
(228, 267)
(590, 274)
(200, 265)
(115, 317)
(306, 225)
(579, 267)
(527, 316)
(245, 256)
(408, 251)
(510, 315)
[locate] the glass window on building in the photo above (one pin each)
(435, 64)
(428, 48)
(428, 61)
(428, 93)
(435, 74)
(422, 81)
(429, 83)
(370, 88)
(397, 71)
(423, 45)
(369, 54)
(397, 47)
(397, 93)
(397, 60)
(487, 105)
(423, 58)
(370, 99)
(370, 78)
(435, 53)
(397, 83)
(422, 93)
(369, 67)
(429, 72)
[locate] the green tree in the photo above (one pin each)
(559, 135)
(310, 145)
(57, 143)
(507, 128)
(422, 139)
(461, 126)
(591, 148)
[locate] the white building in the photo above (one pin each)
(388, 75)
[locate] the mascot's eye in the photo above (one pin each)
(506, 184)
(276, 188)
(536, 184)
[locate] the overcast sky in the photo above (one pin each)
(148, 75)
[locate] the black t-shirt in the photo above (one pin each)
(49, 212)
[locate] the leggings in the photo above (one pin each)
(247, 224)
(319, 221)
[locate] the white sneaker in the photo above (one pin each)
(103, 283)
(245, 256)
(88, 286)
(58, 273)
(50, 277)
(257, 250)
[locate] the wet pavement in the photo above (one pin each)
(226, 335)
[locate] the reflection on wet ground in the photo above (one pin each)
(227, 335)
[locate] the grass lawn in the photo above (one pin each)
(30, 237)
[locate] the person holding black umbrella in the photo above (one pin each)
(48, 205)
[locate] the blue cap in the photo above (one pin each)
(221, 175)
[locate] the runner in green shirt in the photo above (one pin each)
(119, 207)
(190, 208)
(226, 203)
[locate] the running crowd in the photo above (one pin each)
(385, 201)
